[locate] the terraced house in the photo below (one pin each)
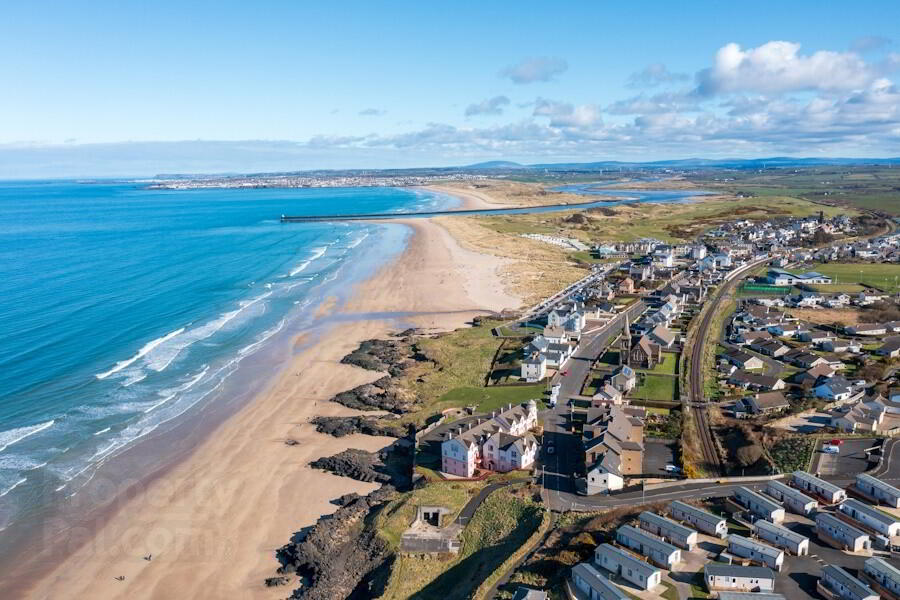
(500, 442)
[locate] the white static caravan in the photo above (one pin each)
(793, 499)
(759, 505)
(595, 585)
(883, 574)
(669, 530)
(841, 535)
(828, 492)
(662, 554)
(845, 586)
(638, 572)
(871, 517)
(721, 577)
(878, 490)
(701, 519)
(782, 537)
(743, 547)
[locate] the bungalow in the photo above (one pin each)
(772, 348)
(608, 394)
(843, 586)
(834, 389)
(704, 521)
(890, 347)
(870, 517)
(815, 336)
(658, 552)
(743, 360)
(828, 492)
(755, 381)
(759, 505)
(631, 569)
(524, 593)
(784, 329)
(594, 585)
(764, 554)
(878, 490)
(866, 329)
(781, 537)
(804, 359)
(669, 530)
(816, 374)
(749, 337)
(839, 345)
(721, 577)
(840, 534)
(767, 402)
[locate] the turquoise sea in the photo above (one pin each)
(125, 311)
(124, 308)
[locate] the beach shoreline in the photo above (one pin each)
(212, 522)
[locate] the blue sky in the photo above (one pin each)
(135, 88)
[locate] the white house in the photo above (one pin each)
(828, 492)
(534, 368)
(883, 574)
(834, 389)
(669, 530)
(759, 505)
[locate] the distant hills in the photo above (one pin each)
(687, 163)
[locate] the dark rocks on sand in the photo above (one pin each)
(393, 355)
(356, 464)
(341, 556)
(341, 426)
(276, 581)
(383, 394)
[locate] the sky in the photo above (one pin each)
(129, 88)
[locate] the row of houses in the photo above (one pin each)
(501, 442)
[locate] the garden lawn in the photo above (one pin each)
(656, 387)
(490, 398)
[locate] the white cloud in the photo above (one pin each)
(653, 75)
(869, 43)
(563, 114)
(777, 67)
(372, 112)
(491, 106)
(536, 69)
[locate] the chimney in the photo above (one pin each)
(450, 435)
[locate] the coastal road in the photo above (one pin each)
(696, 397)
(559, 469)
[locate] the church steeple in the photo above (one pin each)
(625, 343)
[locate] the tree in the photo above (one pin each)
(749, 454)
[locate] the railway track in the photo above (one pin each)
(696, 398)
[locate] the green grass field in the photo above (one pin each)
(490, 398)
(668, 366)
(882, 276)
(656, 387)
(498, 529)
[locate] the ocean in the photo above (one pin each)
(125, 308)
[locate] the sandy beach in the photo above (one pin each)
(213, 521)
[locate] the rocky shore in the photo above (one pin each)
(341, 556)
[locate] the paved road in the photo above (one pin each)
(558, 469)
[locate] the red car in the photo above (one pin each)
(836, 442)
